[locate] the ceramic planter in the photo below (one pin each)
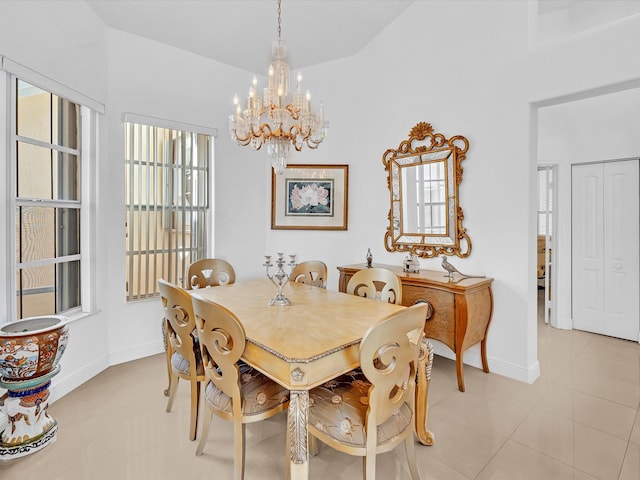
(32, 347)
(30, 352)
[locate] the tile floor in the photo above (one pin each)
(579, 420)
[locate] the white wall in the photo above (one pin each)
(560, 20)
(589, 130)
(438, 62)
(463, 66)
(62, 39)
(67, 43)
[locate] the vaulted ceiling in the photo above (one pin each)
(239, 32)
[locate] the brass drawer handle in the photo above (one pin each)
(429, 307)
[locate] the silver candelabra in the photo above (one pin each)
(280, 278)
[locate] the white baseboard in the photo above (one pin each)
(65, 382)
(472, 357)
(139, 351)
(564, 323)
(527, 375)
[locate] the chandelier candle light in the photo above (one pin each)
(279, 120)
(280, 278)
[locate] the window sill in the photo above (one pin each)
(75, 316)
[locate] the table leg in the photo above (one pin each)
(298, 415)
(425, 362)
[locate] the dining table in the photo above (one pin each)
(307, 343)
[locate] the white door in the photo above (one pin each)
(605, 243)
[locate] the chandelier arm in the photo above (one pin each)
(295, 130)
(297, 139)
(264, 130)
(311, 144)
(246, 139)
(295, 112)
(303, 133)
(241, 140)
(263, 133)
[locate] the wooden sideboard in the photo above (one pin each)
(460, 310)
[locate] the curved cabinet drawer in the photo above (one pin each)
(441, 326)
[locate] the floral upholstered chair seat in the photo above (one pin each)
(259, 393)
(339, 408)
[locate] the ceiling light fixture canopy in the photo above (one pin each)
(278, 119)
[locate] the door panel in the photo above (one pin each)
(605, 238)
(587, 250)
(621, 282)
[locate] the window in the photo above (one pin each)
(49, 135)
(47, 202)
(167, 202)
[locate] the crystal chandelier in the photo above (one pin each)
(279, 119)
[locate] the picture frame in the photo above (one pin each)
(310, 197)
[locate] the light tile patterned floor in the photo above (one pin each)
(578, 421)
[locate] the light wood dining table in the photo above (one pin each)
(307, 343)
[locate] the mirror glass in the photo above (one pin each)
(424, 175)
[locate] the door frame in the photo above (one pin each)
(550, 307)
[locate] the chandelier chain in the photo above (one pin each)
(279, 22)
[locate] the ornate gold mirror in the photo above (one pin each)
(424, 173)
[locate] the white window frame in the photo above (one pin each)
(90, 111)
(153, 122)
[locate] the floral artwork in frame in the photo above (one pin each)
(310, 197)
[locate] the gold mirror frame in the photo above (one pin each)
(424, 147)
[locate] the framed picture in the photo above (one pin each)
(310, 197)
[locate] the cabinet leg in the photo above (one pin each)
(483, 353)
(425, 362)
(459, 371)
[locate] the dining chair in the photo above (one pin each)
(377, 284)
(234, 391)
(209, 272)
(375, 413)
(186, 362)
(310, 272)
